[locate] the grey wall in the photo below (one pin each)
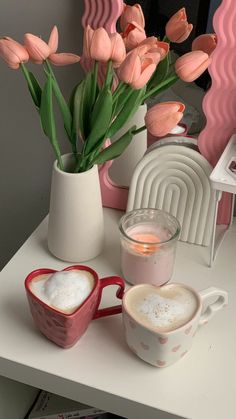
(26, 157)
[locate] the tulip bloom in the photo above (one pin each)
(97, 44)
(136, 70)
(152, 45)
(13, 53)
(133, 35)
(39, 50)
(206, 43)
(118, 52)
(163, 117)
(132, 14)
(178, 28)
(191, 65)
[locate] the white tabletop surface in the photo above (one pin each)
(100, 370)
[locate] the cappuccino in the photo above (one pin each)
(65, 291)
(162, 308)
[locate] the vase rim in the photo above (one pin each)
(66, 156)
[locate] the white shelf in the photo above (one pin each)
(100, 370)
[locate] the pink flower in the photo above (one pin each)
(178, 28)
(136, 70)
(133, 35)
(206, 43)
(163, 117)
(39, 50)
(118, 52)
(152, 45)
(97, 45)
(191, 65)
(132, 14)
(13, 53)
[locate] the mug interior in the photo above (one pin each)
(44, 271)
(130, 293)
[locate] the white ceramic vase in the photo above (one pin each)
(122, 168)
(75, 229)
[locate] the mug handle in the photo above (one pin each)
(212, 308)
(105, 282)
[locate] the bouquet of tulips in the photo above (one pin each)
(125, 70)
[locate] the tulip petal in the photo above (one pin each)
(163, 117)
(130, 69)
(191, 65)
(118, 52)
(13, 53)
(100, 48)
(144, 77)
(63, 58)
(53, 40)
(132, 14)
(38, 49)
(206, 43)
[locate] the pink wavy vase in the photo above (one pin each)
(219, 104)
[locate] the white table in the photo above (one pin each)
(100, 370)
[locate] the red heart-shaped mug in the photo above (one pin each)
(65, 329)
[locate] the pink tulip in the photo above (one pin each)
(136, 70)
(206, 43)
(153, 45)
(118, 52)
(178, 28)
(13, 53)
(163, 117)
(133, 35)
(97, 44)
(191, 65)
(38, 49)
(132, 14)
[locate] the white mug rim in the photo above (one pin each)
(153, 329)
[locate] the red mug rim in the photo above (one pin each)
(41, 271)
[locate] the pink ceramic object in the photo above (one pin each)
(220, 102)
(66, 329)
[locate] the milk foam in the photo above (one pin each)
(164, 309)
(65, 290)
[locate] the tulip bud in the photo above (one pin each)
(133, 35)
(191, 65)
(13, 53)
(178, 28)
(132, 14)
(206, 43)
(163, 117)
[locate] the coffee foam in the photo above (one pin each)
(65, 290)
(162, 308)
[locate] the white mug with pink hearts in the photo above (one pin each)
(160, 322)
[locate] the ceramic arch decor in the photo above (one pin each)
(219, 103)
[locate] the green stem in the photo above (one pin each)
(166, 39)
(109, 74)
(151, 92)
(94, 83)
(137, 131)
(27, 77)
(120, 89)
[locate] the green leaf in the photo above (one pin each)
(116, 148)
(100, 119)
(47, 115)
(86, 105)
(64, 108)
(131, 105)
(37, 89)
(160, 74)
(77, 112)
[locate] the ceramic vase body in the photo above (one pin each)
(122, 168)
(75, 229)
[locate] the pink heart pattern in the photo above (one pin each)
(144, 346)
(163, 340)
(176, 348)
(161, 363)
(188, 330)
